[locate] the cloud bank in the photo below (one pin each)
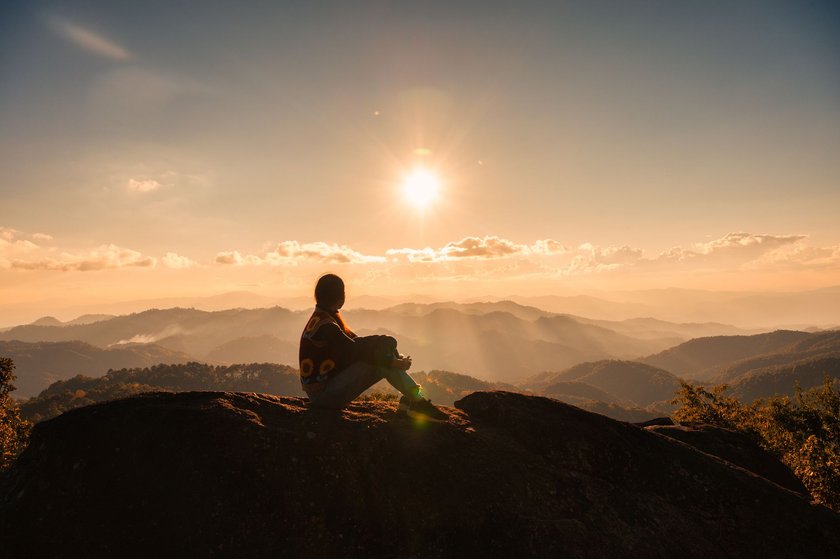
(294, 252)
(548, 257)
(23, 254)
(102, 258)
(489, 257)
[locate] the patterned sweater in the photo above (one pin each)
(328, 346)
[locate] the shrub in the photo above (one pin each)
(14, 431)
(803, 432)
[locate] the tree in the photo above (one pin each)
(14, 431)
(803, 432)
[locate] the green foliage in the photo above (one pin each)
(804, 432)
(14, 431)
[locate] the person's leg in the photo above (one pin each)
(412, 403)
(402, 381)
(346, 385)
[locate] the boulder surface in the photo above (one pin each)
(248, 475)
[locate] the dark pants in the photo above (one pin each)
(349, 383)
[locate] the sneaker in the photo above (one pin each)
(422, 409)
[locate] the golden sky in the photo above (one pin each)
(150, 150)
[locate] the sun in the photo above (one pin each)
(421, 188)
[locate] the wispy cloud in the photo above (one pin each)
(89, 40)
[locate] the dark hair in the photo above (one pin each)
(328, 290)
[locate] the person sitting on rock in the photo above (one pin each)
(336, 365)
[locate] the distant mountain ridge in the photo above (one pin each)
(816, 345)
(781, 380)
(39, 364)
(630, 382)
(498, 342)
(704, 358)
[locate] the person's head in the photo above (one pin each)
(329, 292)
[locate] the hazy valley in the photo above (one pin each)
(628, 369)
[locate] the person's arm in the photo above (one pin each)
(377, 349)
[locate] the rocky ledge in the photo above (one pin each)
(248, 475)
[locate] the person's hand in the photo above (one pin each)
(401, 362)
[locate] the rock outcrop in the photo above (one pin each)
(245, 475)
(736, 448)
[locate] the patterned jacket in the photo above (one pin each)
(328, 346)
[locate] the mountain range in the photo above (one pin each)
(801, 310)
(496, 342)
(500, 344)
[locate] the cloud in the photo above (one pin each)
(42, 237)
(177, 262)
(548, 246)
(798, 256)
(487, 247)
(108, 256)
(293, 252)
(10, 250)
(591, 258)
(7, 233)
(497, 258)
(228, 258)
(480, 248)
(731, 248)
(742, 241)
(171, 330)
(427, 254)
(143, 185)
(12, 247)
(319, 252)
(234, 258)
(88, 40)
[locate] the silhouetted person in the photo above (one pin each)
(336, 365)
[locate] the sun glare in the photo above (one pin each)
(421, 188)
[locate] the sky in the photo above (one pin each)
(154, 149)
